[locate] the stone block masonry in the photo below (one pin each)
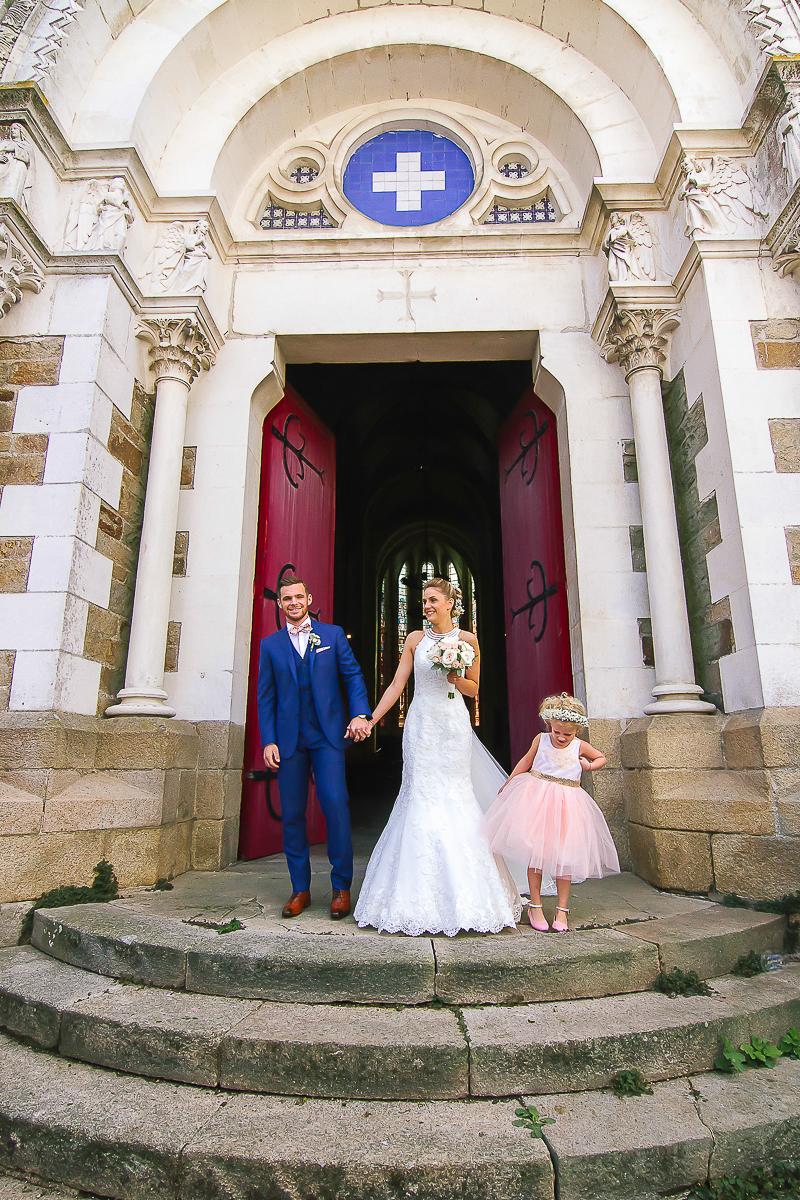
(118, 533)
(776, 343)
(699, 530)
(155, 797)
(711, 801)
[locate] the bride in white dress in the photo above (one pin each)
(432, 870)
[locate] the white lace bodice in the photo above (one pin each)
(561, 764)
(432, 870)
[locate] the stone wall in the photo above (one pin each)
(713, 803)
(154, 797)
(118, 534)
(710, 622)
(24, 361)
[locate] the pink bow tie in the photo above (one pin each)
(295, 630)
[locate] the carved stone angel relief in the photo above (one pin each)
(181, 259)
(788, 133)
(101, 218)
(630, 249)
(719, 196)
(16, 165)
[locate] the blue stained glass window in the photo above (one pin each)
(408, 177)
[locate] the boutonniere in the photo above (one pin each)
(314, 640)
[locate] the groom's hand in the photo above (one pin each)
(272, 758)
(358, 729)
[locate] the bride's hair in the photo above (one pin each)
(449, 591)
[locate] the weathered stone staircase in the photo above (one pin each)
(147, 1057)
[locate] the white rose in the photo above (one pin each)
(450, 657)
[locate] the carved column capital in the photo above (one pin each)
(637, 336)
(784, 241)
(18, 271)
(179, 347)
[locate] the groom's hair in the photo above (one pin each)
(291, 581)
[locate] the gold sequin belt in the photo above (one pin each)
(555, 779)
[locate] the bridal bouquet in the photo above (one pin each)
(450, 656)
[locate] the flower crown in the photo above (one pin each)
(569, 716)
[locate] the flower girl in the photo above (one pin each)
(544, 818)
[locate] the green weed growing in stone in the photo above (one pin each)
(781, 1179)
(730, 1059)
(789, 1045)
(531, 1119)
(219, 926)
(104, 887)
(749, 964)
(682, 983)
(760, 1053)
(631, 1083)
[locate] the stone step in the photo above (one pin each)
(14, 1188)
(135, 1139)
(356, 966)
(142, 1140)
(366, 1052)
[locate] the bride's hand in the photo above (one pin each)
(453, 676)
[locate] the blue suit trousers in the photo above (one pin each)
(293, 775)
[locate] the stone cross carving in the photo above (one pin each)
(719, 197)
(102, 217)
(407, 294)
(409, 181)
(179, 349)
(629, 247)
(16, 165)
(638, 337)
(18, 272)
(181, 259)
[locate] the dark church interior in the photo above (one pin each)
(417, 494)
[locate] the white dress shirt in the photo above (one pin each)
(299, 635)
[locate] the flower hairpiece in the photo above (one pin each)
(568, 715)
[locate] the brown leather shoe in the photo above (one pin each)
(295, 904)
(340, 905)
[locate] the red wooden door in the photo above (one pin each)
(296, 519)
(534, 572)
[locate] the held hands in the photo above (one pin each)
(359, 729)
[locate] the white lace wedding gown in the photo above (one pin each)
(432, 870)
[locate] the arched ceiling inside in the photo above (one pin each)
(179, 77)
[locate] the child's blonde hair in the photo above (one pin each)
(563, 707)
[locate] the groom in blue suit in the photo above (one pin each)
(304, 723)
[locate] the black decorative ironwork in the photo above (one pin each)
(542, 211)
(272, 594)
(529, 445)
(515, 170)
(539, 594)
(276, 216)
(304, 174)
(296, 451)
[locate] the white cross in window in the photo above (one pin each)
(409, 181)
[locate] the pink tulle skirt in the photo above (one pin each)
(553, 828)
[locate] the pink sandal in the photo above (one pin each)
(560, 926)
(540, 924)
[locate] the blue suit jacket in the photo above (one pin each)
(333, 666)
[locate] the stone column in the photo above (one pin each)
(179, 351)
(637, 338)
